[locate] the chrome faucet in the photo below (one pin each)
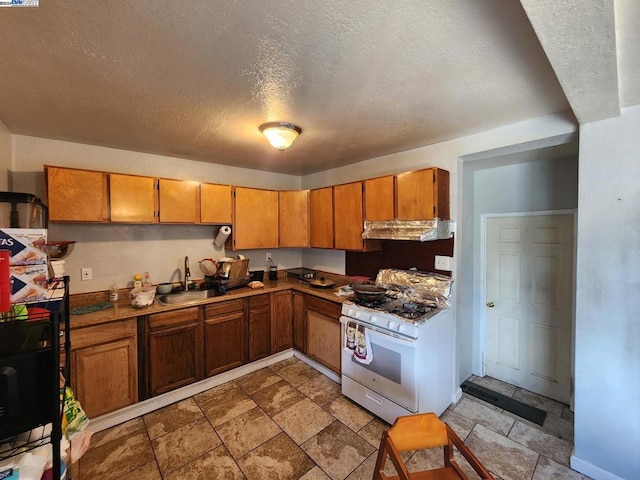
(187, 273)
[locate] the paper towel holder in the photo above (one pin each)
(221, 236)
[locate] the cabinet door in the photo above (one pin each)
(175, 355)
(294, 218)
(321, 217)
(76, 195)
(324, 343)
(259, 327)
(281, 321)
(133, 199)
(255, 219)
(423, 195)
(348, 217)
(104, 366)
(179, 202)
(225, 336)
(299, 317)
(215, 203)
(379, 198)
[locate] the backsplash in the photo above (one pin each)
(403, 254)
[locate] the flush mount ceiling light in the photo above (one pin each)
(280, 134)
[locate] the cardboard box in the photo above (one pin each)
(19, 241)
(29, 283)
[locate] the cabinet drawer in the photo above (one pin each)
(184, 316)
(229, 306)
(84, 337)
(325, 307)
(259, 301)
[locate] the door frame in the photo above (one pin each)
(482, 312)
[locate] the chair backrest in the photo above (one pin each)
(424, 431)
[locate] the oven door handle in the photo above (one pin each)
(376, 332)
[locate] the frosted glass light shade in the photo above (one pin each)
(280, 134)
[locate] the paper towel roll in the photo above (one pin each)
(222, 236)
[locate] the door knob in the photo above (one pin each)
(491, 304)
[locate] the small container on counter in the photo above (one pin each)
(273, 272)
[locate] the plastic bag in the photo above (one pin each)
(144, 297)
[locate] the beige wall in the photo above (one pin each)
(116, 252)
(5, 157)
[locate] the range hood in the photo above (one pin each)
(417, 230)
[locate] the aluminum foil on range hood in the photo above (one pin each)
(418, 230)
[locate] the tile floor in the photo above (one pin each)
(288, 421)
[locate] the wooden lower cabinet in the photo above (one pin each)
(324, 343)
(299, 322)
(174, 350)
(281, 321)
(225, 336)
(104, 366)
(259, 327)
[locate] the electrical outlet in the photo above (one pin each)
(268, 256)
(444, 263)
(86, 274)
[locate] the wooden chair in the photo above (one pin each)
(418, 432)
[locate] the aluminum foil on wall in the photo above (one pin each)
(413, 286)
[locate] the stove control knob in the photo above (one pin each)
(401, 328)
(357, 314)
(391, 325)
(350, 312)
(373, 319)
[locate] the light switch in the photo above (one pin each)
(444, 263)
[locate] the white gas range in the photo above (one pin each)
(398, 357)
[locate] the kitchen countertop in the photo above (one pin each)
(123, 309)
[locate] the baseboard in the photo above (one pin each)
(591, 470)
(457, 395)
(318, 366)
(112, 419)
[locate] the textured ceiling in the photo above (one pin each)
(196, 79)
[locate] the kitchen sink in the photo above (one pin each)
(185, 297)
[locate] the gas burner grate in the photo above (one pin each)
(410, 310)
(378, 304)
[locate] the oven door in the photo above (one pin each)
(392, 372)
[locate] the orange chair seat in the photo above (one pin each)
(424, 431)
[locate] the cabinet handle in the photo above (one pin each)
(491, 304)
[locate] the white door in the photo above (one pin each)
(529, 302)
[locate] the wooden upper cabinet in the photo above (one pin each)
(348, 216)
(255, 218)
(179, 202)
(294, 218)
(423, 194)
(321, 217)
(76, 195)
(134, 199)
(379, 200)
(215, 203)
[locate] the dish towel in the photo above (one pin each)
(350, 337)
(90, 308)
(362, 353)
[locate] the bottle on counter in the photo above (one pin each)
(137, 282)
(146, 282)
(113, 293)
